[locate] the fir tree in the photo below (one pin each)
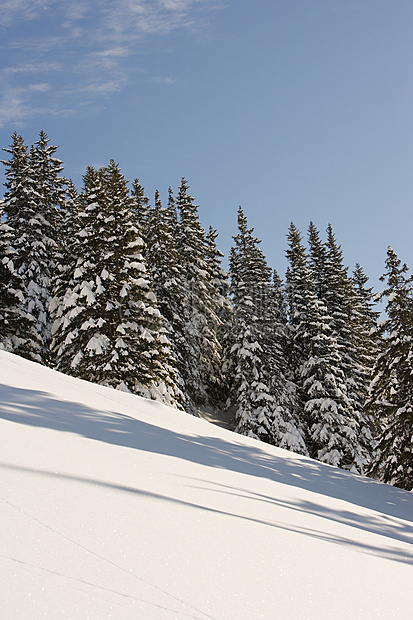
(199, 309)
(110, 330)
(391, 391)
(331, 429)
(367, 319)
(17, 329)
(50, 189)
(318, 261)
(367, 342)
(62, 283)
(343, 305)
(252, 361)
(335, 289)
(167, 280)
(219, 285)
(33, 223)
(140, 207)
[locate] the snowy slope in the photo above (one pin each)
(117, 507)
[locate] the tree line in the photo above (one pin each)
(101, 285)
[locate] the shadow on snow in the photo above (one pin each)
(38, 408)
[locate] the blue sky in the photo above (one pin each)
(298, 110)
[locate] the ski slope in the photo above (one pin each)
(112, 506)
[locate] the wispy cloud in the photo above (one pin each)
(18, 104)
(33, 67)
(27, 10)
(88, 49)
(160, 79)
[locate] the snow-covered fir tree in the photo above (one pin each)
(140, 208)
(257, 386)
(219, 284)
(32, 210)
(108, 328)
(17, 329)
(332, 433)
(335, 289)
(317, 260)
(366, 317)
(49, 186)
(167, 279)
(202, 357)
(366, 343)
(391, 390)
(66, 260)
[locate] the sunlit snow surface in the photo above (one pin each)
(117, 507)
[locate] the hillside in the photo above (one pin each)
(113, 506)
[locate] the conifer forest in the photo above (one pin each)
(98, 283)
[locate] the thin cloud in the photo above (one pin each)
(33, 67)
(17, 104)
(18, 10)
(89, 54)
(159, 79)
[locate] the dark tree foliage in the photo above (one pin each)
(391, 391)
(332, 431)
(31, 206)
(17, 329)
(202, 355)
(259, 392)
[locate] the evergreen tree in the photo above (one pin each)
(280, 303)
(343, 305)
(140, 207)
(331, 429)
(63, 283)
(336, 290)
(367, 319)
(391, 391)
(17, 329)
(367, 342)
(33, 227)
(110, 330)
(49, 187)
(167, 280)
(318, 262)
(199, 311)
(219, 284)
(171, 211)
(253, 366)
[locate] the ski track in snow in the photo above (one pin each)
(130, 574)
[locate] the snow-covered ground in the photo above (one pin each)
(117, 507)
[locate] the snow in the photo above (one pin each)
(113, 506)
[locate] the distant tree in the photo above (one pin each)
(391, 391)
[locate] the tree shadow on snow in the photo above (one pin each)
(38, 408)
